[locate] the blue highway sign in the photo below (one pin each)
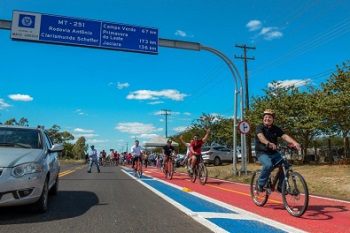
(83, 32)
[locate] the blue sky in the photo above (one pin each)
(112, 97)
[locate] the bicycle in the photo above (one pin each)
(138, 167)
(295, 194)
(168, 168)
(199, 170)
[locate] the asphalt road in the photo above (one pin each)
(110, 201)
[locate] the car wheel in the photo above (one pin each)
(217, 161)
(54, 190)
(41, 205)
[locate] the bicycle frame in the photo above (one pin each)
(281, 169)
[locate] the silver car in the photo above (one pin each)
(216, 154)
(29, 167)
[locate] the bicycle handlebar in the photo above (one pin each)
(289, 147)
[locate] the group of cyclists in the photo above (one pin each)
(169, 153)
(266, 150)
(266, 144)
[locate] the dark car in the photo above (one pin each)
(29, 167)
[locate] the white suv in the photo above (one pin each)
(29, 167)
(216, 154)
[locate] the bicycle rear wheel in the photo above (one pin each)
(259, 198)
(296, 199)
(202, 174)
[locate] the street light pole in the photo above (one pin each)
(197, 47)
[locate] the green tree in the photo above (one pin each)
(295, 112)
(22, 122)
(336, 108)
(80, 148)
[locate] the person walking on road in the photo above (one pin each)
(93, 159)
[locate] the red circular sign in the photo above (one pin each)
(244, 127)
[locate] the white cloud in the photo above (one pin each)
(187, 114)
(147, 135)
(180, 128)
(163, 112)
(3, 104)
(122, 85)
(85, 135)
(20, 97)
(288, 83)
(182, 34)
(253, 25)
(137, 128)
(155, 95)
(94, 141)
(156, 102)
(79, 130)
(80, 112)
(267, 32)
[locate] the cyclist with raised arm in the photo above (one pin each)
(266, 145)
(168, 151)
(136, 152)
(196, 149)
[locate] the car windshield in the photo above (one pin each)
(205, 148)
(26, 138)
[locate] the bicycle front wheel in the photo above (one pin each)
(259, 198)
(170, 170)
(139, 171)
(193, 175)
(295, 194)
(202, 174)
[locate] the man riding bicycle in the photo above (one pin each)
(266, 145)
(196, 149)
(168, 151)
(136, 152)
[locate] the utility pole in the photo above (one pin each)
(127, 147)
(166, 121)
(245, 47)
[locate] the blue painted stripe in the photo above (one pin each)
(244, 226)
(190, 201)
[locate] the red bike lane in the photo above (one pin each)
(323, 215)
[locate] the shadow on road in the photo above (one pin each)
(67, 204)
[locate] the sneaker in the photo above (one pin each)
(99, 171)
(260, 188)
(280, 191)
(89, 171)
